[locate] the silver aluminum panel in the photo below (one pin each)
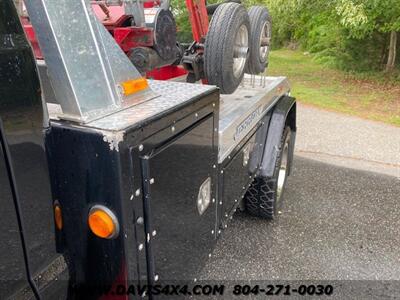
(171, 93)
(242, 110)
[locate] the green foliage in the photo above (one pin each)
(348, 34)
(363, 17)
(182, 20)
(372, 95)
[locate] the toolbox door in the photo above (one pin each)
(237, 174)
(177, 176)
(240, 168)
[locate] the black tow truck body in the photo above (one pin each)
(173, 170)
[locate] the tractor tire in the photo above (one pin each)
(226, 47)
(264, 196)
(260, 37)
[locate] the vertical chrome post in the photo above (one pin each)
(253, 80)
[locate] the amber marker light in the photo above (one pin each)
(102, 222)
(133, 86)
(58, 215)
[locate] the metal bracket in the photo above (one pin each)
(85, 64)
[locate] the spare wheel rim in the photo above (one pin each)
(265, 40)
(282, 172)
(240, 50)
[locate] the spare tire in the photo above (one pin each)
(226, 47)
(260, 38)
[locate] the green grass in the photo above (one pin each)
(373, 96)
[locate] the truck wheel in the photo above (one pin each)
(260, 37)
(264, 197)
(227, 46)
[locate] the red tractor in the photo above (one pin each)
(235, 41)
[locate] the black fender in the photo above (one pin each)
(284, 113)
(261, 137)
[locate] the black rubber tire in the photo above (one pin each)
(259, 15)
(261, 197)
(218, 48)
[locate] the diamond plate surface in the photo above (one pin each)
(171, 94)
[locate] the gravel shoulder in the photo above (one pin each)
(348, 141)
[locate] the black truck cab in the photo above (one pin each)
(28, 258)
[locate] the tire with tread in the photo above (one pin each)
(219, 45)
(261, 197)
(259, 16)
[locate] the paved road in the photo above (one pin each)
(338, 222)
